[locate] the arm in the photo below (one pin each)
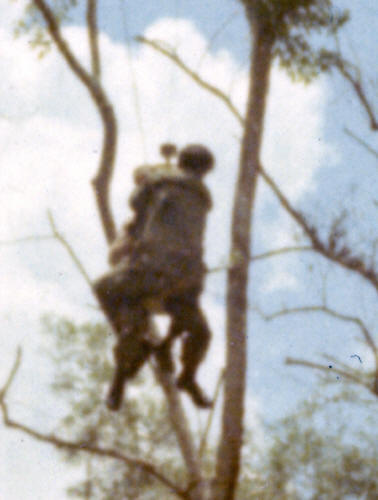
(120, 248)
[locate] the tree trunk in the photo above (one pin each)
(230, 445)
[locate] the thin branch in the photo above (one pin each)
(360, 141)
(210, 418)
(281, 251)
(265, 255)
(343, 66)
(147, 467)
(105, 171)
(215, 35)
(12, 374)
(93, 38)
(374, 387)
(63, 47)
(317, 366)
(27, 239)
(194, 75)
(332, 359)
(218, 269)
(59, 443)
(57, 235)
(181, 427)
(340, 257)
(343, 317)
(331, 312)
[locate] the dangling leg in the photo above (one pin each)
(195, 345)
(117, 293)
(188, 317)
(109, 295)
(130, 352)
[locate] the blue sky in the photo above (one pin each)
(221, 21)
(48, 129)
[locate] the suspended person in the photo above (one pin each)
(158, 267)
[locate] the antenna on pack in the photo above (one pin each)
(168, 151)
(171, 80)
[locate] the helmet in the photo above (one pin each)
(196, 159)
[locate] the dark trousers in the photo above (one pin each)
(124, 294)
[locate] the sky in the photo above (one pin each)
(49, 149)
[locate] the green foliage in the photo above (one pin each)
(33, 24)
(83, 360)
(326, 449)
(296, 27)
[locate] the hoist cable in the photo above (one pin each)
(171, 79)
(134, 82)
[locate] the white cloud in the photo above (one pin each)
(294, 142)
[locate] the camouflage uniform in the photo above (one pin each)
(159, 267)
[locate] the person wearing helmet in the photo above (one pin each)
(158, 267)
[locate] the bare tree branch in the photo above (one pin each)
(214, 36)
(340, 364)
(147, 467)
(12, 374)
(281, 251)
(59, 443)
(265, 255)
(57, 235)
(341, 257)
(105, 171)
(346, 70)
(309, 364)
(181, 427)
(331, 312)
(27, 239)
(343, 317)
(360, 141)
(210, 418)
(373, 387)
(93, 38)
(170, 54)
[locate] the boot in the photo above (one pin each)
(116, 391)
(199, 398)
(130, 354)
